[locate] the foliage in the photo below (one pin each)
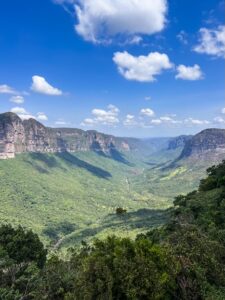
(120, 211)
(184, 259)
(21, 256)
(80, 191)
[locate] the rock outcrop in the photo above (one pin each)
(208, 141)
(17, 136)
(178, 142)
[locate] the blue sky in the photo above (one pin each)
(127, 67)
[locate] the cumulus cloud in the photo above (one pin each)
(168, 119)
(219, 120)
(101, 20)
(223, 110)
(62, 123)
(135, 40)
(103, 117)
(40, 85)
(141, 68)
(17, 99)
(25, 115)
(165, 120)
(147, 119)
(5, 89)
(156, 121)
(148, 112)
(42, 116)
(189, 73)
(129, 121)
(149, 122)
(192, 121)
(212, 42)
(22, 113)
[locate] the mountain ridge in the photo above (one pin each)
(208, 140)
(17, 136)
(21, 136)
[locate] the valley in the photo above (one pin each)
(71, 196)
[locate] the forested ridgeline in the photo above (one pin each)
(185, 259)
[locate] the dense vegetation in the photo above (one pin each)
(184, 259)
(70, 197)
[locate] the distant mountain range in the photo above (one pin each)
(18, 136)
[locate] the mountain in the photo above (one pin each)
(178, 142)
(208, 141)
(66, 183)
(179, 168)
(17, 136)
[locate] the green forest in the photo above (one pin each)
(182, 259)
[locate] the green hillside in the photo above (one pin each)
(57, 194)
(70, 197)
(184, 259)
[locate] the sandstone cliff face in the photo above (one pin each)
(17, 136)
(208, 141)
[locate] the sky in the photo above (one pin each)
(125, 67)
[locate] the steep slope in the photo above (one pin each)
(17, 136)
(179, 171)
(69, 182)
(209, 141)
(178, 142)
(57, 194)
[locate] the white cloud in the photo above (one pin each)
(103, 117)
(212, 42)
(42, 116)
(223, 110)
(40, 85)
(17, 99)
(88, 122)
(167, 119)
(189, 73)
(130, 121)
(148, 112)
(5, 89)
(25, 115)
(18, 110)
(135, 40)
(192, 121)
(156, 121)
(219, 120)
(100, 20)
(141, 68)
(22, 113)
(61, 122)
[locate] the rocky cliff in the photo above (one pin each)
(208, 141)
(17, 136)
(178, 142)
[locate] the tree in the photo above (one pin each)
(21, 256)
